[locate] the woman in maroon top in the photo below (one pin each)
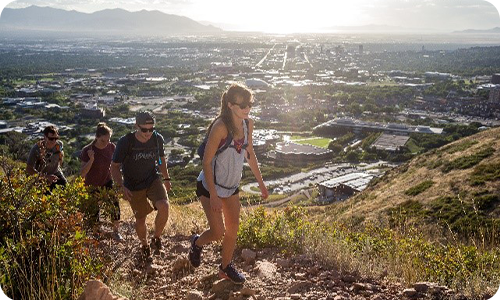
(96, 161)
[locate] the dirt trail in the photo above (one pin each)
(270, 275)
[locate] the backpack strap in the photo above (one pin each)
(130, 143)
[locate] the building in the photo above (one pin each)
(343, 187)
(359, 126)
(92, 111)
(298, 154)
(390, 142)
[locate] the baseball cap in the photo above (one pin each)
(144, 117)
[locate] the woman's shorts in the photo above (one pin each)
(202, 191)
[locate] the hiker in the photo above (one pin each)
(46, 157)
(140, 156)
(95, 169)
(228, 144)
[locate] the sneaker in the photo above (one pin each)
(146, 253)
(156, 243)
(230, 273)
(117, 236)
(195, 252)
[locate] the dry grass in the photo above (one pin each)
(390, 191)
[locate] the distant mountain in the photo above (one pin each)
(108, 21)
(492, 30)
(376, 28)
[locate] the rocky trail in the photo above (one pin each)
(270, 275)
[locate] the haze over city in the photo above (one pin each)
(433, 16)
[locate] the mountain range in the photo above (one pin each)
(492, 30)
(108, 21)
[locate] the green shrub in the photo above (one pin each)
(284, 228)
(419, 188)
(458, 147)
(485, 172)
(44, 250)
(467, 161)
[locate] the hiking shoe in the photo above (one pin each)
(146, 253)
(195, 252)
(117, 236)
(156, 243)
(230, 273)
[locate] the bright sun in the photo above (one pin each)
(277, 16)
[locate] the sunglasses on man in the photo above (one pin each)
(53, 138)
(147, 129)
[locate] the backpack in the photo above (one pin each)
(229, 140)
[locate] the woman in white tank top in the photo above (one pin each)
(221, 175)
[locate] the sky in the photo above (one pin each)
(286, 16)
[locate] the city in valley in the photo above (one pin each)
(321, 100)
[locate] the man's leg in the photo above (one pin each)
(161, 217)
(142, 230)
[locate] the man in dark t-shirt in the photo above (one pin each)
(140, 157)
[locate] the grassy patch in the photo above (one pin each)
(419, 188)
(458, 147)
(323, 142)
(467, 161)
(413, 147)
(467, 219)
(484, 173)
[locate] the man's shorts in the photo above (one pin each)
(202, 191)
(140, 204)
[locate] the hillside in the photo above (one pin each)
(456, 183)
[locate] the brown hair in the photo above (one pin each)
(50, 129)
(103, 129)
(230, 96)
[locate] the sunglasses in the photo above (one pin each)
(53, 138)
(147, 129)
(244, 105)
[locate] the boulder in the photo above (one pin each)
(96, 290)
(248, 256)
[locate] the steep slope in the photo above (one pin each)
(461, 179)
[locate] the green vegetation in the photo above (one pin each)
(419, 188)
(467, 161)
(372, 249)
(467, 219)
(45, 252)
(459, 147)
(318, 142)
(484, 173)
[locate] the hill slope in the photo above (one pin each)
(458, 180)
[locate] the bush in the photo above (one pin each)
(419, 188)
(467, 161)
(44, 250)
(485, 172)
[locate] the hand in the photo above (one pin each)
(51, 178)
(215, 203)
(127, 194)
(263, 192)
(91, 153)
(168, 185)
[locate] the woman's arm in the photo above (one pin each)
(86, 166)
(253, 163)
